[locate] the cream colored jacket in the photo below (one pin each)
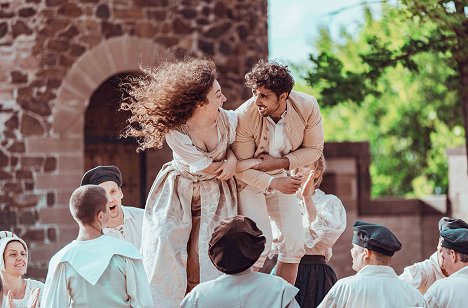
(303, 128)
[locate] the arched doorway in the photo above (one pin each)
(104, 122)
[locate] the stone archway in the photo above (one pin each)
(103, 124)
(113, 56)
(65, 141)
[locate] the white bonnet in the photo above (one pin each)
(5, 238)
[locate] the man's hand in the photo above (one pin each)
(269, 163)
(286, 184)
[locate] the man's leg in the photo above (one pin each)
(252, 204)
(284, 210)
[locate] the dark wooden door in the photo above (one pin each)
(103, 125)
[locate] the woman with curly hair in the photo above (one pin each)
(180, 102)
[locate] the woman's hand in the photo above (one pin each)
(33, 301)
(227, 169)
(308, 188)
(10, 303)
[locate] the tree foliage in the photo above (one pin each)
(398, 84)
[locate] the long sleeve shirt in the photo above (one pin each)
(423, 274)
(330, 222)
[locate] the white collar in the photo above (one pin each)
(377, 270)
(247, 271)
(127, 213)
(461, 272)
(91, 258)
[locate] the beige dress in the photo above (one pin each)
(180, 193)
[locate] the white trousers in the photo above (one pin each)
(285, 212)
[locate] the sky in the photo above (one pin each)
(293, 24)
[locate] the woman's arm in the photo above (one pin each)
(213, 167)
(247, 164)
(311, 210)
(307, 191)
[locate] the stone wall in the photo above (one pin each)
(458, 182)
(55, 53)
(413, 221)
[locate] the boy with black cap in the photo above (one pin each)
(451, 291)
(125, 221)
(95, 270)
(423, 274)
(376, 283)
(236, 245)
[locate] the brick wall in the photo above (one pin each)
(412, 221)
(54, 54)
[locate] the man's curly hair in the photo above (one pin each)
(271, 75)
(166, 97)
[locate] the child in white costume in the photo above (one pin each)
(324, 220)
(95, 270)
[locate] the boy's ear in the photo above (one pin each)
(367, 253)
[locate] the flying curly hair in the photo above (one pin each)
(166, 97)
(271, 75)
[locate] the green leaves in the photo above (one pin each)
(395, 84)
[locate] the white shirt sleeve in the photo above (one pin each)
(185, 150)
(233, 120)
(412, 275)
(56, 289)
(328, 225)
(138, 289)
(420, 274)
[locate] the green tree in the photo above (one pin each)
(396, 84)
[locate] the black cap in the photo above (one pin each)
(236, 245)
(456, 239)
(375, 237)
(452, 223)
(102, 174)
